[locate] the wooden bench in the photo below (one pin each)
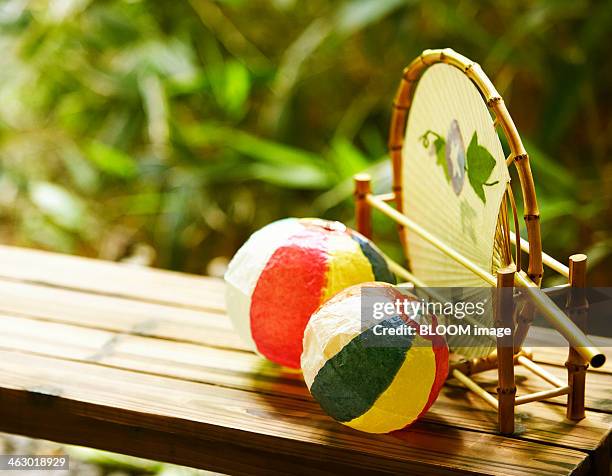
(144, 362)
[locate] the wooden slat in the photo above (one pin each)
(170, 416)
(116, 279)
(118, 314)
(245, 371)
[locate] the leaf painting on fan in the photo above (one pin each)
(477, 162)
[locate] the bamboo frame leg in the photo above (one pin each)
(363, 210)
(506, 391)
(577, 308)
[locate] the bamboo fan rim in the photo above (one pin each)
(401, 108)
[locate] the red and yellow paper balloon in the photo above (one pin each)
(366, 380)
(285, 271)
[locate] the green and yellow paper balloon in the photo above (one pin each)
(368, 381)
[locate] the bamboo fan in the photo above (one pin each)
(453, 181)
(451, 190)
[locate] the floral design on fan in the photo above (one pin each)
(477, 162)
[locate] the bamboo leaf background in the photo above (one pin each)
(169, 131)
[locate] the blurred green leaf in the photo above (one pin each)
(273, 152)
(111, 161)
(171, 58)
(308, 169)
(81, 171)
(155, 106)
(58, 203)
(114, 460)
(347, 159)
(549, 172)
(237, 87)
(291, 176)
(357, 14)
(39, 230)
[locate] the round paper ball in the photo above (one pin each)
(285, 271)
(370, 382)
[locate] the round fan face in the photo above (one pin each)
(454, 177)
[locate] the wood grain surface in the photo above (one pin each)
(145, 362)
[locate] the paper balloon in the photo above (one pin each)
(366, 380)
(281, 275)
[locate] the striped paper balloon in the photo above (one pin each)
(285, 271)
(370, 382)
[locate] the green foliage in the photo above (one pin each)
(439, 145)
(110, 160)
(186, 126)
(480, 164)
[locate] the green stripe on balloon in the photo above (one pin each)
(379, 265)
(351, 381)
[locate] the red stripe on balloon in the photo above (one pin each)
(440, 349)
(288, 291)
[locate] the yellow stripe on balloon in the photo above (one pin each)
(406, 396)
(347, 265)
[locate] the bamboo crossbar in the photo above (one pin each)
(539, 371)
(482, 364)
(386, 197)
(555, 289)
(543, 395)
(548, 260)
(403, 273)
(427, 236)
(477, 389)
(572, 333)
(521, 400)
(545, 305)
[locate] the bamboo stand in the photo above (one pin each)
(508, 353)
(509, 348)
